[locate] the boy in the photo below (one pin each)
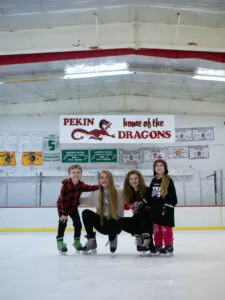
(68, 203)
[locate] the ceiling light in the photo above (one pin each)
(96, 74)
(213, 78)
(85, 68)
(210, 72)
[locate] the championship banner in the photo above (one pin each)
(127, 157)
(32, 158)
(111, 129)
(196, 152)
(151, 154)
(7, 159)
(203, 134)
(177, 152)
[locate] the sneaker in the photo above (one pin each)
(61, 245)
(113, 243)
(77, 245)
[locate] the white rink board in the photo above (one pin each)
(48, 218)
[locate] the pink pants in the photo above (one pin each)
(162, 234)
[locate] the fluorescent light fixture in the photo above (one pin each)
(85, 68)
(210, 72)
(96, 74)
(205, 77)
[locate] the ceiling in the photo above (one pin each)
(25, 14)
(151, 78)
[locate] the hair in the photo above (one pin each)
(164, 186)
(74, 167)
(112, 197)
(128, 191)
(165, 179)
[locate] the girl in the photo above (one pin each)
(136, 197)
(163, 201)
(108, 202)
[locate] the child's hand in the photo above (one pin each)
(63, 219)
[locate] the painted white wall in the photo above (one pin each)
(135, 35)
(48, 218)
(22, 193)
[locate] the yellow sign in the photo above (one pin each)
(32, 158)
(7, 159)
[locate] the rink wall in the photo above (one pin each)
(19, 219)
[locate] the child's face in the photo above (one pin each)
(159, 168)
(134, 181)
(75, 174)
(104, 180)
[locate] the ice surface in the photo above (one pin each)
(32, 269)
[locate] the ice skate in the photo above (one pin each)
(167, 251)
(138, 241)
(77, 245)
(112, 243)
(145, 244)
(61, 246)
(91, 246)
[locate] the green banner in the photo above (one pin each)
(74, 156)
(103, 155)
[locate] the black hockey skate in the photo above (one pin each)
(90, 246)
(167, 251)
(112, 243)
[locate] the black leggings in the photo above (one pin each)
(92, 220)
(76, 224)
(137, 224)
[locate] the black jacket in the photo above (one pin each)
(162, 210)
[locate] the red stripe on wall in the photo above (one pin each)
(67, 55)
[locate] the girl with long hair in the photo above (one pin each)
(109, 205)
(163, 201)
(136, 196)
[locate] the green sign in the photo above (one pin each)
(74, 156)
(103, 155)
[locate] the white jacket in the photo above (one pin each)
(93, 200)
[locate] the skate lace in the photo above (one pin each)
(112, 243)
(145, 243)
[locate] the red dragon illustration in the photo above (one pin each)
(95, 133)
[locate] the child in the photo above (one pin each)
(136, 197)
(163, 200)
(109, 204)
(67, 205)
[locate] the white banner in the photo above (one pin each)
(127, 157)
(111, 129)
(202, 134)
(151, 154)
(177, 152)
(196, 152)
(183, 134)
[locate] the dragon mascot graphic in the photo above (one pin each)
(95, 133)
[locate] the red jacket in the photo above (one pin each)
(70, 194)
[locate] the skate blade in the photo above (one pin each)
(143, 253)
(63, 253)
(166, 254)
(90, 252)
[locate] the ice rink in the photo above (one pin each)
(32, 269)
